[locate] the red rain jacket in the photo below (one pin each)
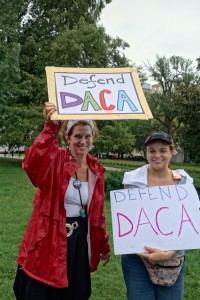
(43, 249)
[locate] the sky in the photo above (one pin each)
(151, 27)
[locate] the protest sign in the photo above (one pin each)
(99, 94)
(163, 217)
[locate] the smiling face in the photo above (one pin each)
(158, 154)
(80, 140)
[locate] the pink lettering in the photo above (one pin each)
(188, 219)
(157, 224)
(119, 218)
(144, 223)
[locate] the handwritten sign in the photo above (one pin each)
(96, 93)
(164, 217)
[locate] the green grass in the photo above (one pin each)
(16, 194)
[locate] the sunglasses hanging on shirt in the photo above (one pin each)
(77, 185)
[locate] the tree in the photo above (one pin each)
(19, 125)
(42, 33)
(63, 33)
(169, 73)
(140, 129)
(142, 74)
(9, 50)
(177, 106)
(115, 138)
(198, 61)
(189, 132)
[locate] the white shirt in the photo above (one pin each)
(72, 200)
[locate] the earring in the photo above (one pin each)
(91, 147)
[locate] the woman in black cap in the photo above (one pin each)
(141, 271)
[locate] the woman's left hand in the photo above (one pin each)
(156, 256)
(49, 109)
(105, 257)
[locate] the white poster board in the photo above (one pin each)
(98, 94)
(164, 217)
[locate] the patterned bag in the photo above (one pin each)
(165, 273)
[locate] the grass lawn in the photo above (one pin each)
(16, 194)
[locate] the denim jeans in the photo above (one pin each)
(139, 285)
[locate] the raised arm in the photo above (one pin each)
(40, 156)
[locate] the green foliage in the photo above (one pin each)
(176, 107)
(64, 34)
(166, 71)
(198, 66)
(140, 129)
(19, 125)
(122, 163)
(87, 45)
(169, 73)
(9, 50)
(35, 34)
(142, 74)
(115, 137)
(190, 117)
(113, 181)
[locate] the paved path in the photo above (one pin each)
(114, 169)
(10, 156)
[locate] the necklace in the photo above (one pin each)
(77, 185)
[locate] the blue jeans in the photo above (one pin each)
(139, 285)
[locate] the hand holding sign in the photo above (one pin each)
(49, 109)
(156, 256)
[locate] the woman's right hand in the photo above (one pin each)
(49, 109)
(156, 256)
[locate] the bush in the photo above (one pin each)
(113, 181)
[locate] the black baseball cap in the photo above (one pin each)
(159, 136)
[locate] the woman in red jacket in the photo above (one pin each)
(66, 235)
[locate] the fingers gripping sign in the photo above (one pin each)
(49, 109)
